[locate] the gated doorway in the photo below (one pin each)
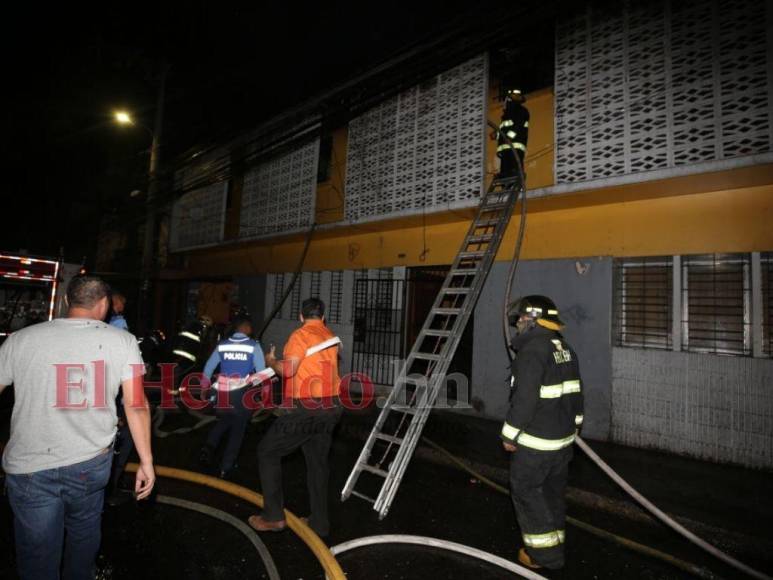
(388, 315)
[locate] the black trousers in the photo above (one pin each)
(537, 488)
(232, 422)
(311, 430)
(507, 165)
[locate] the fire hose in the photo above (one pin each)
(643, 501)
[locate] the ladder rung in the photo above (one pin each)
(464, 271)
(438, 332)
(363, 496)
(474, 254)
(416, 381)
(486, 223)
(446, 311)
(374, 470)
(494, 206)
(479, 238)
(426, 356)
(390, 438)
(404, 409)
(459, 290)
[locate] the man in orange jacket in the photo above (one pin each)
(310, 378)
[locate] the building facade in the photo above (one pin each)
(650, 221)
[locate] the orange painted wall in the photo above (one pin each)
(641, 219)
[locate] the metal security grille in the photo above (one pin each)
(279, 288)
(379, 320)
(335, 304)
(716, 304)
(659, 84)
(644, 302)
(766, 260)
(279, 195)
(295, 298)
(198, 218)
(316, 284)
(422, 149)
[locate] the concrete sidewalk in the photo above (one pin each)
(727, 505)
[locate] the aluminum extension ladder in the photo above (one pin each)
(386, 455)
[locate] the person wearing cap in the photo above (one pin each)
(545, 414)
(513, 134)
(238, 356)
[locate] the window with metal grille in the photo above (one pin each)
(316, 284)
(295, 299)
(279, 288)
(716, 304)
(336, 297)
(644, 302)
(766, 260)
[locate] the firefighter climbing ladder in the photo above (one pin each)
(423, 374)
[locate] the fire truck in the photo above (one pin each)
(31, 290)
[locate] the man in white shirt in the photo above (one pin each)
(66, 375)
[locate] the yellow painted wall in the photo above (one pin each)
(330, 193)
(636, 220)
(539, 153)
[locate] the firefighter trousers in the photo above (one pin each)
(507, 164)
(537, 488)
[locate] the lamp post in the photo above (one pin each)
(148, 254)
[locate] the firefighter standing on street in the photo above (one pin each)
(237, 356)
(515, 126)
(546, 411)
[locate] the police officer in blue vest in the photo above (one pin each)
(237, 356)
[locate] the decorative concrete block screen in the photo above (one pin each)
(198, 218)
(711, 407)
(421, 150)
(279, 196)
(660, 84)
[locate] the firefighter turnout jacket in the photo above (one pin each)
(515, 126)
(546, 405)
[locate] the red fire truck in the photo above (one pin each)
(31, 290)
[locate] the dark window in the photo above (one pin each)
(644, 302)
(716, 303)
(325, 158)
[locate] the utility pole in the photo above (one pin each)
(149, 251)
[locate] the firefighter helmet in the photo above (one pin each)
(535, 307)
(515, 94)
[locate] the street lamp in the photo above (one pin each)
(123, 118)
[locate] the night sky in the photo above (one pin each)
(231, 67)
